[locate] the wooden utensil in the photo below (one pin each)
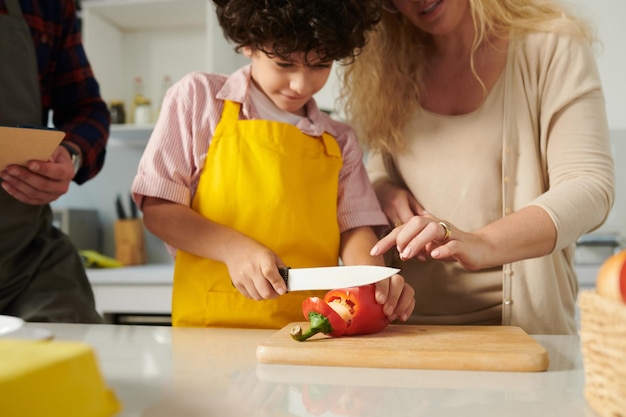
(18, 145)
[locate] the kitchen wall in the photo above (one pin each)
(608, 17)
(143, 51)
(100, 193)
(617, 219)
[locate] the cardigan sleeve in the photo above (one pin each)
(574, 137)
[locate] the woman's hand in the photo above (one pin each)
(397, 297)
(398, 204)
(524, 234)
(427, 237)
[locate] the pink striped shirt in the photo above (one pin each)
(174, 156)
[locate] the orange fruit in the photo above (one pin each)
(611, 279)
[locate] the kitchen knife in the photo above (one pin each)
(121, 213)
(133, 206)
(326, 278)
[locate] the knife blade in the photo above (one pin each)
(330, 277)
(133, 206)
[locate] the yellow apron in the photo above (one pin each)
(278, 186)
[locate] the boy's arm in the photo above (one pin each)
(354, 247)
(252, 266)
(183, 228)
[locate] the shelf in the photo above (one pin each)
(135, 136)
(130, 130)
(150, 39)
(137, 15)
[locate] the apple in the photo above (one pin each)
(611, 280)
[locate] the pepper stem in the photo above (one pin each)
(318, 323)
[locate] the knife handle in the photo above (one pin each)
(284, 272)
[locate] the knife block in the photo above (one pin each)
(129, 242)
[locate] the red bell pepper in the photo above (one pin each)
(315, 398)
(340, 400)
(343, 312)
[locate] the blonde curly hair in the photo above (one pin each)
(381, 88)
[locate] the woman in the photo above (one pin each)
(490, 153)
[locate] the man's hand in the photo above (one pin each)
(40, 182)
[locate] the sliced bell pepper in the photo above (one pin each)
(322, 318)
(343, 312)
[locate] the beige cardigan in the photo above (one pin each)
(555, 155)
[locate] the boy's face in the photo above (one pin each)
(289, 84)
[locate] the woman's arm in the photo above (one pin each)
(527, 233)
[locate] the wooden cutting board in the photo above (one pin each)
(485, 348)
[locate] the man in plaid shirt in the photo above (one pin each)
(43, 67)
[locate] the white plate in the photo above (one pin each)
(30, 333)
(10, 324)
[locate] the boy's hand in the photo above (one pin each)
(397, 297)
(254, 272)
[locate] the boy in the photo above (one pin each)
(243, 174)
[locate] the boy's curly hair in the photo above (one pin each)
(332, 29)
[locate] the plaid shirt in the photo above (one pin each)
(67, 83)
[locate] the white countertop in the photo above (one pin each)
(185, 372)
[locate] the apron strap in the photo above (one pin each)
(13, 8)
(231, 110)
(331, 145)
(231, 113)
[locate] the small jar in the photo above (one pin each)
(118, 112)
(142, 112)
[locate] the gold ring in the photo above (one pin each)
(398, 223)
(447, 231)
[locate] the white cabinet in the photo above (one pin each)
(143, 292)
(152, 39)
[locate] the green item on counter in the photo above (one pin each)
(93, 259)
